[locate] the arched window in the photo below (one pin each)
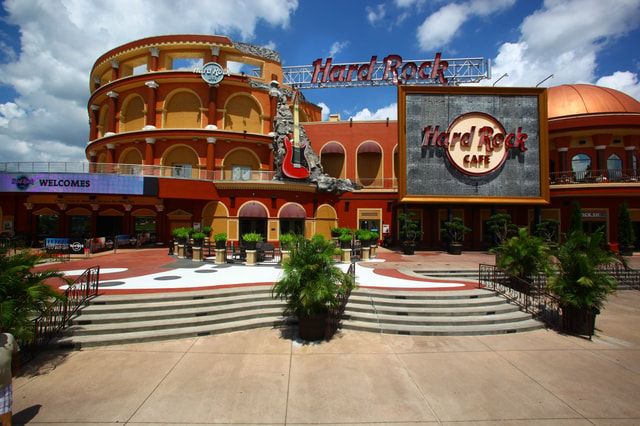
(581, 167)
(132, 115)
(183, 111)
(243, 113)
(614, 167)
(332, 159)
(369, 167)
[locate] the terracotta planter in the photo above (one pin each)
(312, 328)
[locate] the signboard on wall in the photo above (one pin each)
(78, 183)
(473, 145)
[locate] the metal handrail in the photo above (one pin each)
(57, 315)
(533, 297)
(335, 315)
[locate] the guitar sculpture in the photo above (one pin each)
(294, 164)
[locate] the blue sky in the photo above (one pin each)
(47, 48)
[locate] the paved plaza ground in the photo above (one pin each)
(268, 377)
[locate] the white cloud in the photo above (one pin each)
(564, 38)
(61, 39)
(390, 112)
(10, 111)
(624, 81)
(439, 28)
(325, 111)
(375, 14)
(337, 47)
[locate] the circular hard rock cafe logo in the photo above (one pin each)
(212, 73)
(476, 143)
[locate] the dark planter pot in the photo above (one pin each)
(365, 243)
(221, 244)
(312, 328)
(345, 244)
(198, 243)
(579, 321)
(408, 249)
(626, 250)
(250, 245)
(455, 248)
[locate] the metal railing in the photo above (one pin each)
(56, 317)
(335, 315)
(532, 297)
(625, 277)
(195, 173)
(594, 176)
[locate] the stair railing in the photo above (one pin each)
(335, 315)
(56, 316)
(531, 297)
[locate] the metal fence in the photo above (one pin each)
(55, 318)
(530, 297)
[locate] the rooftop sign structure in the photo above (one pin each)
(392, 70)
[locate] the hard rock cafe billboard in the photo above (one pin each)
(473, 145)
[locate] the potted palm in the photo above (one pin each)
(524, 256)
(456, 231)
(579, 282)
(410, 232)
(311, 284)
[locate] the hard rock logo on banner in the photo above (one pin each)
(475, 143)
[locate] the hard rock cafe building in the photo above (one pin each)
(195, 130)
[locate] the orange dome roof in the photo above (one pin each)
(581, 99)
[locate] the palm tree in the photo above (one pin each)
(24, 293)
(523, 255)
(580, 283)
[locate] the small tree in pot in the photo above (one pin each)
(456, 231)
(626, 237)
(410, 232)
(310, 285)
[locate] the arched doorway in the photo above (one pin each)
(253, 218)
(292, 218)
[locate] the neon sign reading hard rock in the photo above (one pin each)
(475, 143)
(394, 68)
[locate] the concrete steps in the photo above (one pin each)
(431, 313)
(121, 319)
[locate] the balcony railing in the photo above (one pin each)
(226, 175)
(594, 176)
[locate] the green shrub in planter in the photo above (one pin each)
(198, 238)
(286, 241)
(523, 255)
(181, 235)
(221, 239)
(207, 230)
(251, 239)
(345, 239)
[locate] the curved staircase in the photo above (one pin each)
(121, 319)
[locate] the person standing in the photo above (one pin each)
(8, 369)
